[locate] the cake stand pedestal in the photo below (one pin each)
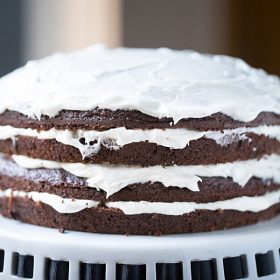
(32, 252)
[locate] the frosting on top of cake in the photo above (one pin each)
(160, 83)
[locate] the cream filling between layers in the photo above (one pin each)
(60, 204)
(115, 138)
(113, 178)
(68, 205)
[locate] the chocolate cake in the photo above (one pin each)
(139, 141)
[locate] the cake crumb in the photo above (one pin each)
(62, 230)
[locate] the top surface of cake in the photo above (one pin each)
(160, 83)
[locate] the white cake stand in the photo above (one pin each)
(39, 253)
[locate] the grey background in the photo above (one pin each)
(247, 29)
(10, 35)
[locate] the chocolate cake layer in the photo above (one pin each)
(106, 220)
(103, 119)
(66, 185)
(211, 189)
(202, 151)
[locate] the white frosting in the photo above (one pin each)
(161, 83)
(244, 203)
(117, 137)
(66, 205)
(112, 178)
(62, 205)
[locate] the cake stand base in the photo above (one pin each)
(32, 252)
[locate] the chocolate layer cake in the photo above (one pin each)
(133, 141)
